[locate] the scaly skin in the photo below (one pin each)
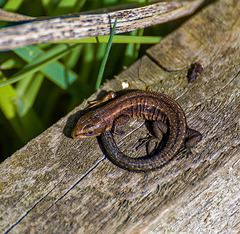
(151, 106)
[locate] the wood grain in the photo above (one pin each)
(59, 185)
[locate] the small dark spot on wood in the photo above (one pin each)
(194, 71)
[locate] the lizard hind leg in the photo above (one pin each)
(155, 142)
(159, 129)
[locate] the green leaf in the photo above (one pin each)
(46, 62)
(8, 98)
(27, 90)
(12, 5)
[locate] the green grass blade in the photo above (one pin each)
(8, 99)
(8, 64)
(120, 39)
(27, 90)
(12, 5)
(55, 71)
(72, 58)
(86, 65)
(132, 49)
(65, 7)
(103, 65)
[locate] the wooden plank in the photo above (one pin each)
(59, 185)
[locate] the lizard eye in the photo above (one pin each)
(90, 133)
(88, 129)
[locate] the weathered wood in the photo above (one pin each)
(59, 185)
(72, 27)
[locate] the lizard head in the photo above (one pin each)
(89, 125)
